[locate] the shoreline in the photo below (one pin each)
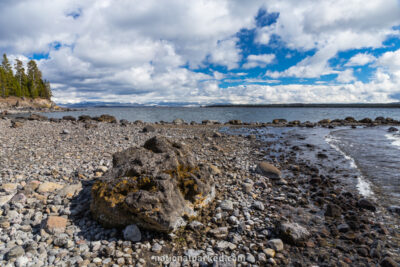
(68, 152)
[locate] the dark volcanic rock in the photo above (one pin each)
(366, 204)
(148, 129)
(106, 118)
(333, 210)
(69, 118)
(152, 186)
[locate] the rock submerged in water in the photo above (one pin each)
(152, 186)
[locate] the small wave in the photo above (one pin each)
(363, 185)
(394, 138)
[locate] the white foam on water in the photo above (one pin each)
(395, 138)
(363, 186)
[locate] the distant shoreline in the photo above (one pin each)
(301, 105)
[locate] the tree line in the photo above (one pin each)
(21, 83)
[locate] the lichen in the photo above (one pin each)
(186, 179)
(116, 191)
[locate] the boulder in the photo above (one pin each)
(269, 170)
(148, 129)
(235, 122)
(69, 118)
(16, 124)
(350, 119)
(293, 233)
(153, 186)
(84, 118)
(178, 121)
(366, 120)
(366, 204)
(37, 117)
(279, 121)
(393, 129)
(106, 118)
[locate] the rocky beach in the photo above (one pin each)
(101, 192)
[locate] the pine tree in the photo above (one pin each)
(34, 79)
(9, 85)
(20, 77)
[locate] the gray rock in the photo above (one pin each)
(275, 244)
(132, 233)
(269, 170)
(250, 258)
(293, 233)
(15, 252)
(156, 248)
(258, 205)
(220, 232)
(226, 205)
(65, 131)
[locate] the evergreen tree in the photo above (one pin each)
(9, 83)
(20, 77)
(27, 84)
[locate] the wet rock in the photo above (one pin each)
(394, 209)
(84, 118)
(132, 233)
(366, 204)
(366, 120)
(333, 210)
(393, 129)
(153, 186)
(278, 121)
(55, 224)
(293, 233)
(269, 170)
(350, 119)
(388, 262)
(235, 122)
(69, 118)
(107, 118)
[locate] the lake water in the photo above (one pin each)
(246, 114)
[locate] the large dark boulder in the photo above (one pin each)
(153, 186)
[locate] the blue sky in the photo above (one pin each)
(204, 51)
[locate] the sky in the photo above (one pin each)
(209, 51)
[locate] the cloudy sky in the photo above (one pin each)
(209, 51)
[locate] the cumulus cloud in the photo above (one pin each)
(258, 61)
(174, 51)
(346, 76)
(360, 59)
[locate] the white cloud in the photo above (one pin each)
(258, 61)
(346, 76)
(360, 59)
(138, 51)
(329, 27)
(226, 54)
